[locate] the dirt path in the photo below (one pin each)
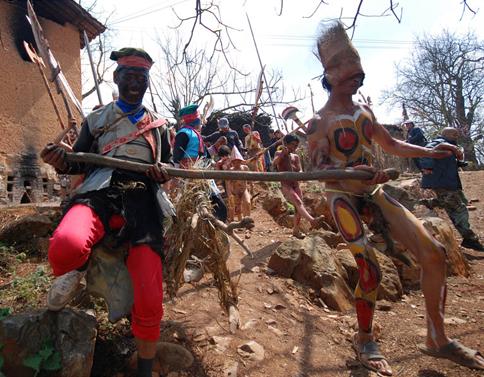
(300, 337)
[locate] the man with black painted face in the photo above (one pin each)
(127, 205)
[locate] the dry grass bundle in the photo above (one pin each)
(194, 234)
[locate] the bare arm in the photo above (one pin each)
(277, 159)
(297, 163)
(402, 149)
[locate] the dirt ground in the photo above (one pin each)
(300, 337)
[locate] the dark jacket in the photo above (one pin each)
(232, 139)
(416, 137)
(445, 173)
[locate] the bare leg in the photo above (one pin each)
(351, 228)
(246, 203)
(408, 230)
(295, 198)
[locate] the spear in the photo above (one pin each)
(317, 175)
(262, 69)
(91, 63)
(56, 75)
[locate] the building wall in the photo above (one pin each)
(27, 117)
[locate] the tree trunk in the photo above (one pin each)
(462, 124)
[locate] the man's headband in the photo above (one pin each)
(134, 61)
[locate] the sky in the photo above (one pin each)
(287, 42)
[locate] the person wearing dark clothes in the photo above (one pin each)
(275, 140)
(232, 136)
(188, 142)
(415, 136)
(130, 206)
(442, 176)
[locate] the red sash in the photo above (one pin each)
(142, 129)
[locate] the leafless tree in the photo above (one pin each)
(207, 16)
(442, 85)
(100, 48)
(177, 83)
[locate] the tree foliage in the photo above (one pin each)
(442, 85)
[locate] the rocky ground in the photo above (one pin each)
(287, 329)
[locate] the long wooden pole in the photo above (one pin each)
(93, 69)
(318, 175)
(263, 72)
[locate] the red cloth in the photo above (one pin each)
(70, 248)
(189, 118)
(135, 61)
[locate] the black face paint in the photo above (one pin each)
(132, 84)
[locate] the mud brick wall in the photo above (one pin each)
(27, 117)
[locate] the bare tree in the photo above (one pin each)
(442, 85)
(177, 82)
(100, 48)
(207, 17)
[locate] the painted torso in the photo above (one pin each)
(341, 141)
(350, 139)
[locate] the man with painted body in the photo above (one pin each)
(237, 191)
(288, 160)
(341, 136)
(127, 205)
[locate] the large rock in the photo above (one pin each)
(318, 205)
(72, 333)
(312, 263)
(274, 203)
(390, 287)
(443, 231)
(24, 231)
(407, 191)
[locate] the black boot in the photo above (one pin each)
(473, 244)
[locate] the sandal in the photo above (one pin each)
(456, 352)
(370, 352)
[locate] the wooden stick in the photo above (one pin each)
(318, 175)
(229, 229)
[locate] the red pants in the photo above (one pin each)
(70, 248)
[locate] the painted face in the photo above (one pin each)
(132, 84)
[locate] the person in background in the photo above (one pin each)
(415, 136)
(189, 146)
(442, 176)
(237, 191)
(286, 159)
(224, 130)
